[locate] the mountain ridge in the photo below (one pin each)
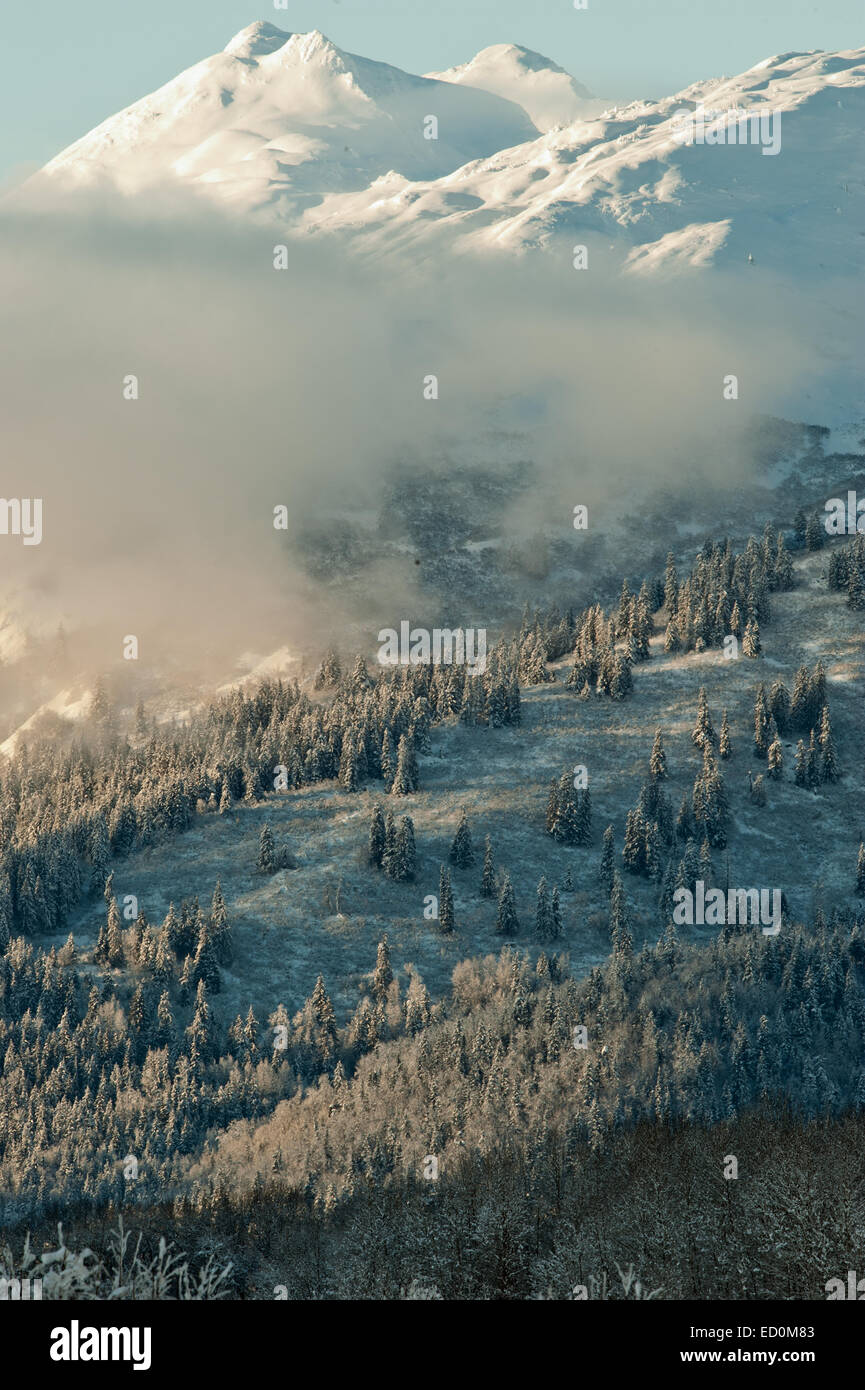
(289, 124)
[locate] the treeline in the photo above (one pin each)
(674, 1033)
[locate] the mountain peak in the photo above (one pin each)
(547, 92)
(514, 53)
(262, 39)
(312, 44)
(291, 117)
(257, 40)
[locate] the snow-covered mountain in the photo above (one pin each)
(288, 125)
(549, 94)
(286, 119)
(630, 183)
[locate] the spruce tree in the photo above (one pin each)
(583, 818)
(348, 778)
(634, 847)
(462, 854)
(812, 774)
(488, 879)
(497, 705)
(405, 852)
(622, 681)
(202, 1030)
(204, 965)
(556, 914)
(514, 704)
(703, 733)
(382, 978)
(829, 763)
(375, 851)
(658, 759)
(783, 565)
(266, 853)
(779, 706)
(164, 1034)
(855, 589)
(220, 927)
(725, 748)
(620, 925)
(817, 693)
(815, 533)
(800, 774)
(567, 826)
(507, 923)
(761, 722)
(185, 985)
(608, 863)
(114, 936)
(387, 763)
(388, 858)
(716, 810)
(751, 645)
(359, 680)
(163, 965)
(776, 759)
(406, 777)
(800, 703)
(137, 1014)
(100, 854)
(446, 902)
(543, 919)
(324, 1020)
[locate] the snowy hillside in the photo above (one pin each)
(662, 203)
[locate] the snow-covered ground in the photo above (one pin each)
(287, 926)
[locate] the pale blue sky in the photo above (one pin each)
(70, 65)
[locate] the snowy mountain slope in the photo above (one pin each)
(286, 118)
(549, 94)
(659, 203)
(72, 705)
(280, 664)
(290, 125)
